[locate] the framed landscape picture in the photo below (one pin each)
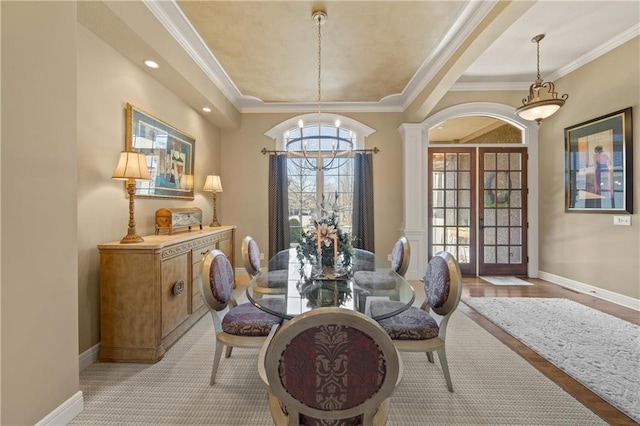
(599, 164)
(170, 155)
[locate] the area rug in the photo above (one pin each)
(492, 386)
(599, 350)
(501, 280)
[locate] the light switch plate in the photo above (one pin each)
(622, 220)
(261, 256)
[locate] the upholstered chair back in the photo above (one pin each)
(217, 280)
(251, 255)
(400, 256)
(331, 365)
(442, 283)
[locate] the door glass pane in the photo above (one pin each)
(463, 235)
(464, 180)
(516, 199)
(503, 235)
(438, 199)
(438, 217)
(438, 234)
(464, 199)
(516, 255)
(489, 161)
(503, 161)
(437, 180)
(450, 217)
(489, 255)
(452, 161)
(464, 218)
(503, 254)
(452, 236)
(516, 218)
(450, 198)
(490, 236)
(437, 162)
(489, 217)
(451, 180)
(515, 180)
(515, 163)
(516, 236)
(489, 180)
(464, 161)
(503, 217)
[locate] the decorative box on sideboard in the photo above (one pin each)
(149, 294)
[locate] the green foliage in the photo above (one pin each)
(295, 229)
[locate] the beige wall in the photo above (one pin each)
(39, 194)
(245, 173)
(587, 247)
(106, 82)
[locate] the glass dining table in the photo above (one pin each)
(289, 288)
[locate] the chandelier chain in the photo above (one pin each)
(538, 54)
(319, 66)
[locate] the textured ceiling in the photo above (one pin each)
(370, 50)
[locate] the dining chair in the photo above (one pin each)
(243, 325)
(424, 329)
(330, 366)
(269, 282)
(374, 284)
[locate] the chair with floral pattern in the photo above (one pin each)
(269, 282)
(424, 329)
(330, 366)
(243, 325)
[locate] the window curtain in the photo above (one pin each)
(278, 204)
(363, 233)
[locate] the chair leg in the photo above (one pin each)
(227, 354)
(430, 357)
(445, 368)
(216, 362)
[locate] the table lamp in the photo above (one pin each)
(214, 185)
(132, 166)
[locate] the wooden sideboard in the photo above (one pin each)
(149, 291)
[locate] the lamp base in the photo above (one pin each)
(214, 224)
(131, 238)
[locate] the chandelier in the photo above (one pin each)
(325, 147)
(543, 99)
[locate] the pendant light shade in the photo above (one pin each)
(543, 100)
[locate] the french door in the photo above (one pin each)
(477, 208)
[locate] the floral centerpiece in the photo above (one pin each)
(325, 242)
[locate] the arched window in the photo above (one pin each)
(319, 163)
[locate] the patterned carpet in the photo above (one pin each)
(492, 386)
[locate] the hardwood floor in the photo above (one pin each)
(475, 287)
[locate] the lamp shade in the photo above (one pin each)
(539, 110)
(213, 183)
(132, 165)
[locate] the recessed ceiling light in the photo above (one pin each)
(151, 64)
(206, 109)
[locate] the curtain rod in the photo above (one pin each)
(375, 150)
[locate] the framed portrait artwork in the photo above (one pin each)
(170, 155)
(599, 164)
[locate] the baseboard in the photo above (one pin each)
(66, 412)
(89, 356)
(610, 296)
(241, 271)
